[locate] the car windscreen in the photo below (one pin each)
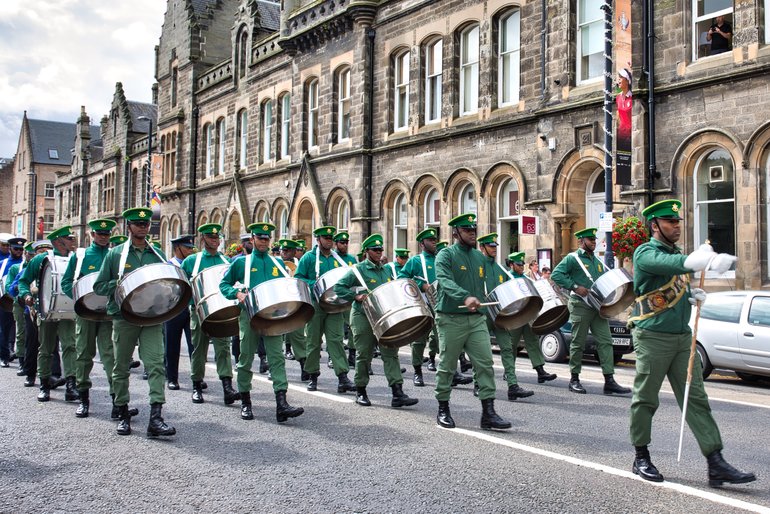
(723, 308)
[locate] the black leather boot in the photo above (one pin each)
(115, 414)
(460, 379)
(197, 394)
(304, 375)
(263, 366)
(465, 364)
(352, 357)
(82, 411)
(124, 425)
(230, 394)
(21, 371)
(543, 375)
(489, 418)
(246, 406)
(312, 385)
(45, 390)
(721, 472)
(29, 381)
(361, 397)
(401, 399)
(516, 391)
(71, 392)
(418, 381)
(288, 354)
(283, 410)
(575, 386)
(158, 427)
(56, 382)
(444, 417)
(431, 361)
(345, 384)
(644, 467)
(612, 387)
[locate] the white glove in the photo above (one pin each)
(722, 262)
(697, 295)
(699, 259)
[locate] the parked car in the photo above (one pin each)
(734, 333)
(555, 345)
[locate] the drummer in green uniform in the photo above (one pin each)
(63, 241)
(342, 244)
(250, 271)
(350, 288)
(311, 266)
(295, 341)
(461, 322)
(662, 340)
(119, 261)
(577, 273)
(193, 264)
(401, 257)
(441, 245)
(90, 334)
(422, 269)
(18, 309)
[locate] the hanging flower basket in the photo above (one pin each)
(628, 234)
(234, 249)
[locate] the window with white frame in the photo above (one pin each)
(283, 223)
(267, 129)
(312, 105)
(208, 130)
(705, 14)
(343, 105)
(469, 70)
(432, 208)
(714, 211)
(401, 92)
(509, 58)
(285, 124)
(590, 40)
(49, 190)
(466, 200)
(342, 217)
(243, 137)
(400, 221)
(434, 68)
(508, 203)
(766, 10)
(221, 136)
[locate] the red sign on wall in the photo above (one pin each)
(528, 225)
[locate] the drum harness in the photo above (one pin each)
(199, 258)
(124, 257)
(247, 270)
(583, 267)
(341, 261)
(486, 292)
(79, 254)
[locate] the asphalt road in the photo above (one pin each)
(565, 452)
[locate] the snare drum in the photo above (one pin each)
(516, 303)
(218, 315)
(397, 313)
(54, 304)
(324, 291)
(89, 305)
(153, 294)
(554, 312)
(279, 306)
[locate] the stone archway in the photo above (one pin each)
(233, 228)
(305, 221)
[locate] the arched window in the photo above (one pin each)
(243, 52)
(242, 136)
(282, 228)
(508, 200)
(466, 200)
(262, 214)
(714, 212)
(432, 208)
(434, 68)
(343, 105)
(400, 221)
(221, 136)
(469, 70)
(401, 92)
(595, 206)
(312, 118)
(342, 215)
(509, 43)
(267, 129)
(285, 126)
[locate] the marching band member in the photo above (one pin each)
(208, 256)
(125, 258)
(577, 273)
(401, 256)
(461, 325)
(372, 274)
(11, 287)
(183, 246)
(254, 269)
(295, 341)
(342, 243)
(7, 319)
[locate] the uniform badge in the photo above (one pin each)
(658, 301)
(127, 265)
(463, 268)
(103, 224)
(264, 227)
(675, 208)
(214, 230)
(500, 277)
(92, 267)
(142, 214)
(253, 270)
(275, 271)
(336, 264)
(481, 271)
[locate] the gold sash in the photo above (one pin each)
(661, 299)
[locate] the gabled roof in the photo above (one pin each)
(137, 110)
(269, 15)
(51, 141)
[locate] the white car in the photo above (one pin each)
(734, 333)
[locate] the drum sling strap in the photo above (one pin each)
(424, 269)
(124, 257)
(79, 254)
(2, 268)
(318, 261)
(199, 258)
(583, 267)
(659, 300)
(247, 271)
(392, 266)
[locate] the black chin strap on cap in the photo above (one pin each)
(459, 234)
(662, 235)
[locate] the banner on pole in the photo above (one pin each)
(624, 96)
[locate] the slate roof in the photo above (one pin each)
(54, 135)
(201, 6)
(269, 14)
(138, 109)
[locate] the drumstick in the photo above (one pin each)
(479, 305)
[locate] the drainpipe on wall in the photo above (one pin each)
(193, 169)
(543, 7)
(369, 138)
(649, 70)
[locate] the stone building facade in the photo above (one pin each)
(393, 115)
(6, 193)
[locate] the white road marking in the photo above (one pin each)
(684, 489)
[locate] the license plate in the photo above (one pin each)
(621, 341)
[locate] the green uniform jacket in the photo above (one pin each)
(306, 268)
(460, 274)
(262, 269)
(394, 266)
(92, 263)
(413, 269)
(494, 275)
(373, 274)
(568, 274)
(350, 259)
(31, 273)
(107, 281)
(208, 260)
(655, 264)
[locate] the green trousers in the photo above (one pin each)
(331, 326)
(297, 341)
(21, 331)
(660, 355)
(468, 333)
(418, 347)
(364, 341)
(125, 336)
(48, 332)
(200, 341)
(583, 318)
(273, 350)
(90, 335)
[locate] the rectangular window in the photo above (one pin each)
(49, 190)
(590, 43)
(706, 15)
(469, 71)
(267, 129)
(401, 93)
(53, 153)
(174, 80)
(508, 65)
(433, 81)
(220, 147)
(209, 150)
(312, 103)
(285, 125)
(48, 223)
(343, 106)
(243, 138)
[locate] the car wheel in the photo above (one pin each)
(748, 377)
(705, 362)
(554, 348)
